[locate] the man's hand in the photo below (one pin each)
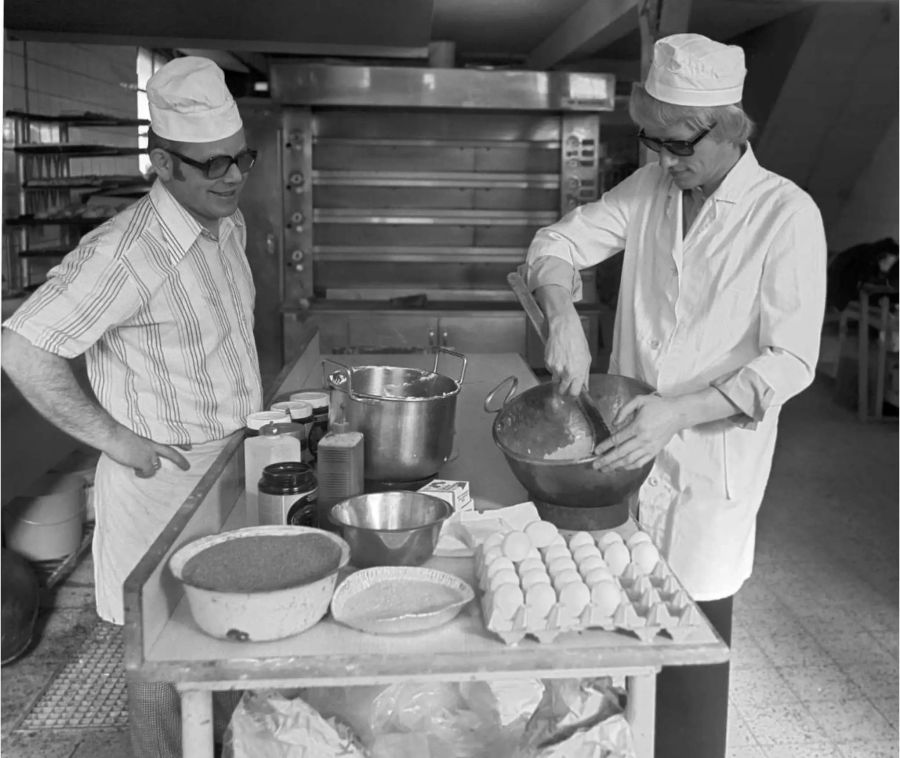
(567, 354)
(641, 428)
(142, 454)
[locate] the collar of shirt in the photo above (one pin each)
(183, 227)
(735, 184)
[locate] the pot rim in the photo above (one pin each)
(355, 395)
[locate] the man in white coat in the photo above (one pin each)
(720, 309)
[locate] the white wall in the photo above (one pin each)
(871, 211)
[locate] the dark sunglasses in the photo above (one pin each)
(217, 166)
(680, 147)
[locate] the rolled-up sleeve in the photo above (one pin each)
(582, 238)
(792, 306)
(90, 291)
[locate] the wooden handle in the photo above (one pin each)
(527, 301)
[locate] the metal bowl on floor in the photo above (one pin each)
(395, 528)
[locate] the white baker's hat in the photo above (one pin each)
(690, 69)
(190, 102)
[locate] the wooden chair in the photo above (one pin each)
(872, 311)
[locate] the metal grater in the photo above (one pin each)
(339, 469)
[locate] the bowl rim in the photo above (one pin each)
(447, 508)
(185, 552)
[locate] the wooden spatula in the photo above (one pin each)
(586, 403)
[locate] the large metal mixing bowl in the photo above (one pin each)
(538, 423)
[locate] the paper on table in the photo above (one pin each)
(465, 530)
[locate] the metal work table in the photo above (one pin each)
(164, 644)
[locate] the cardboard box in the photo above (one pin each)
(454, 492)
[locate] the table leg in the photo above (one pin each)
(197, 723)
(641, 711)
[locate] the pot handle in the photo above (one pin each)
(437, 356)
(343, 371)
(488, 401)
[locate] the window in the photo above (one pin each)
(148, 63)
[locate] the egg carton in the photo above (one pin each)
(624, 589)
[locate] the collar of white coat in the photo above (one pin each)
(183, 227)
(736, 181)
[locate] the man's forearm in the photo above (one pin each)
(703, 406)
(48, 383)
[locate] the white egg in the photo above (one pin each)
(556, 551)
(597, 575)
(575, 597)
(541, 533)
(530, 564)
(516, 545)
(585, 551)
(504, 576)
(617, 557)
(490, 555)
(605, 597)
(531, 578)
(607, 539)
(494, 539)
(540, 599)
(558, 539)
(563, 578)
(637, 538)
(580, 538)
(506, 600)
(499, 564)
(586, 565)
(558, 565)
(645, 556)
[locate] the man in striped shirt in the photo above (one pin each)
(159, 300)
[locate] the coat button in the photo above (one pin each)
(654, 344)
(653, 481)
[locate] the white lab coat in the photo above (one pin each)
(736, 304)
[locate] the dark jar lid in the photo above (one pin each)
(287, 477)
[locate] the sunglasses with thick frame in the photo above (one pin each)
(219, 165)
(680, 147)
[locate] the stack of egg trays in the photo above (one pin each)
(651, 603)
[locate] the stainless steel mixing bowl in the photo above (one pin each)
(398, 528)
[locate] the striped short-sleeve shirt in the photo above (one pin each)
(163, 313)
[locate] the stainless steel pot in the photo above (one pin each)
(526, 423)
(407, 416)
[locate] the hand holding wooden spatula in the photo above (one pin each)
(586, 403)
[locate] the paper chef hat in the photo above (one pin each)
(189, 102)
(690, 69)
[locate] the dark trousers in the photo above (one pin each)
(692, 701)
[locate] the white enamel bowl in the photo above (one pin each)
(258, 616)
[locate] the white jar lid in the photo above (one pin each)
(315, 399)
(296, 408)
(259, 419)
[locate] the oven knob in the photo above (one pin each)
(295, 140)
(297, 256)
(296, 217)
(296, 178)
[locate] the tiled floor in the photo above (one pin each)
(815, 646)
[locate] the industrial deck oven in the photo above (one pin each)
(389, 203)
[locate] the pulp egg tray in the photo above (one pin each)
(535, 582)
